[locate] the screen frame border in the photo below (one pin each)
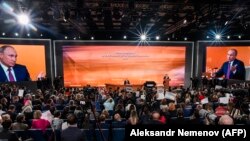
(201, 49)
(48, 51)
(189, 56)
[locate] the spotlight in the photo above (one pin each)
(74, 38)
(16, 34)
(228, 37)
(226, 22)
(28, 34)
(217, 36)
(185, 38)
(6, 7)
(3, 33)
(157, 37)
(41, 35)
(143, 37)
(168, 39)
(207, 37)
(239, 36)
(124, 37)
(23, 19)
(92, 38)
(66, 37)
(185, 21)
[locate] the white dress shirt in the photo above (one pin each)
(231, 64)
(5, 69)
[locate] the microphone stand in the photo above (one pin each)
(97, 122)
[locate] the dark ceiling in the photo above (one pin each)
(112, 19)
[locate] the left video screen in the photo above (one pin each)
(32, 54)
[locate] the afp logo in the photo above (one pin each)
(233, 133)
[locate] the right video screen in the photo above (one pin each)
(215, 54)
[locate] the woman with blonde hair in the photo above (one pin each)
(133, 119)
(38, 123)
(27, 108)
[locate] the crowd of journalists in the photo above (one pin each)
(105, 108)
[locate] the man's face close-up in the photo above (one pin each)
(231, 55)
(8, 57)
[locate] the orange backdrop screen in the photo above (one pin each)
(216, 56)
(100, 65)
(33, 57)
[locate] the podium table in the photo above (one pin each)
(114, 86)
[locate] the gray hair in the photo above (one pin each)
(4, 47)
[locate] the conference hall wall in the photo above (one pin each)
(35, 54)
(98, 63)
(211, 55)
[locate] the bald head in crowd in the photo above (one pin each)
(226, 120)
(156, 115)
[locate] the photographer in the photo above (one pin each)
(109, 103)
(209, 117)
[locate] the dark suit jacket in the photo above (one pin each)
(126, 82)
(8, 135)
(240, 70)
(72, 134)
(21, 73)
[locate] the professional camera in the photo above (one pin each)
(150, 90)
(149, 87)
(205, 114)
(88, 90)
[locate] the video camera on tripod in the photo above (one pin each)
(150, 91)
(149, 87)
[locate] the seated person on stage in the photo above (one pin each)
(126, 82)
(233, 68)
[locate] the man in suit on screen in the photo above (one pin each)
(9, 70)
(233, 68)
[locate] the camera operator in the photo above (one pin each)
(209, 117)
(109, 103)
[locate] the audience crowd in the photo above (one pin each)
(69, 110)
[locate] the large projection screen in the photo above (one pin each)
(99, 63)
(211, 55)
(35, 54)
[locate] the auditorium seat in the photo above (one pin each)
(89, 134)
(37, 135)
(116, 124)
(103, 125)
(58, 135)
(99, 133)
(118, 134)
(23, 134)
(187, 112)
(108, 121)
